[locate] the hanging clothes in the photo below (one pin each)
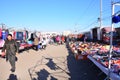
(3, 35)
(6, 32)
(19, 35)
(14, 35)
(0, 33)
(27, 34)
(24, 35)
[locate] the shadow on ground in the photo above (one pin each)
(65, 68)
(12, 77)
(50, 68)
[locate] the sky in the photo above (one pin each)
(55, 15)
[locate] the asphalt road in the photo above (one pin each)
(54, 63)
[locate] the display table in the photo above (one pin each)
(21, 47)
(113, 76)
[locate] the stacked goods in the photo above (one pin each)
(97, 51)
(80, 50)
(103, 59)
(89, 48)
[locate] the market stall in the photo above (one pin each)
(113, 75)
(81, 49)
(22, 39)
(98, 53)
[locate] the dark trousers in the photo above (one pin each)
(12, 61)
(36, 47)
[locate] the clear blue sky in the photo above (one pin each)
(54, 15)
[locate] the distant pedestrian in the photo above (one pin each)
(44, 43)
(36, 43)
(58, 39)
(54, 39)
(11, 48)
(85, 38)
(62, 40)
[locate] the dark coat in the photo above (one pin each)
(11, 48)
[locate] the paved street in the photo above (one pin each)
(54, 63)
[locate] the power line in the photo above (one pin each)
(90, 5)
(89, 26)
(103, 13)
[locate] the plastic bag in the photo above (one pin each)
(2, 54)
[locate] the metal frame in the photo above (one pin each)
(111, 37)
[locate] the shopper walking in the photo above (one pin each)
(11, 48)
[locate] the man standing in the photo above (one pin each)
(36, 43)
(11, 48)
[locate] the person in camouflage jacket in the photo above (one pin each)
(11, 48)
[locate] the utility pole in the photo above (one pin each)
(100, 14)
(111, 40)
(100, 20)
